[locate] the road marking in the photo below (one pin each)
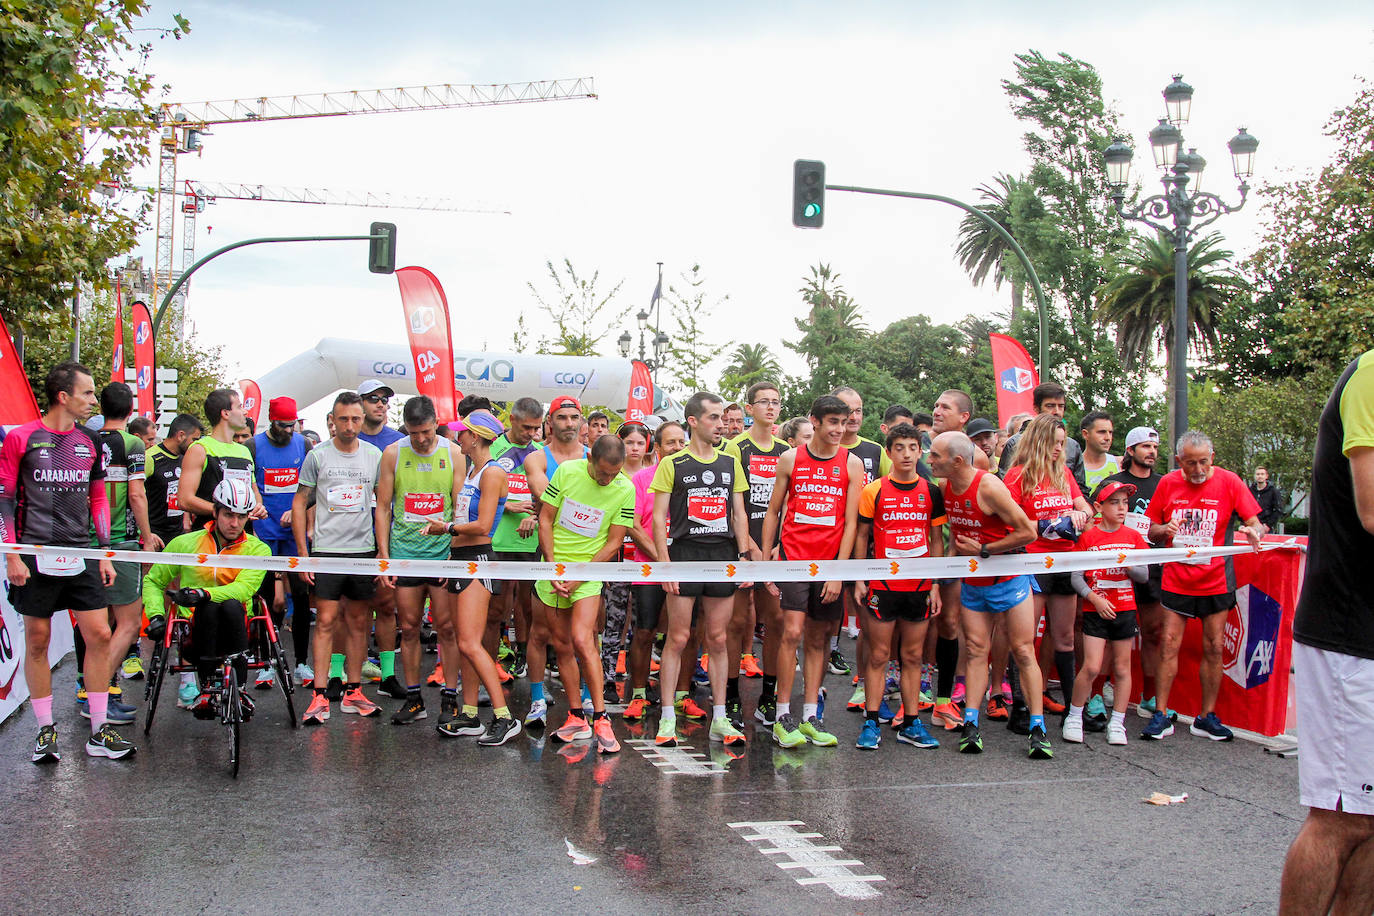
(795, 846)
(681, 760)
(928, 785)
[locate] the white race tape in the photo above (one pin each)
(742, 571)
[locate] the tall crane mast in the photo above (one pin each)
(181, 125)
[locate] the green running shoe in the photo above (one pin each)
(815, 732)
(786, 733)
(1040, 745)
(970, 742)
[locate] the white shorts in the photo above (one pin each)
(1335, 730)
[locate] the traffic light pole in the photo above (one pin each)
(1001, 232)
(181, 281)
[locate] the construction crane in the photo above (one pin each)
(181, 125)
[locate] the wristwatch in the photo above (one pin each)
(984, 552)
(743, 555)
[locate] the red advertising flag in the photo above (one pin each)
(251, 395)
(117, 361)
(431, 343)
(641, 402)
(145, 361)
(17, 404)
(1016, 377)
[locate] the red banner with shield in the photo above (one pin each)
(17, 403)
(431, 341)
(1016, 377)
(145, 361)
(641, 402)
(251, 395)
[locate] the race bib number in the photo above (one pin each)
(280, 480)
(60, 565)
(763, 471)
(815, 512)
(346, 497)
(461, 504)
(1139, 522)
(1194, 540)
(707, 511)
(239, 474)
(173, 507)
(117, 473)
(423, 507)
(906, 553)
(580, 519)
(519, 489)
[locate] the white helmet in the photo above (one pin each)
(235, 495)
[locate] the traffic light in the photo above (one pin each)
(808, 193)
(381, 250)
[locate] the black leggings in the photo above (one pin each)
(300, 611)
(218, 629)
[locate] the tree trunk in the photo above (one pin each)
(1018, 298)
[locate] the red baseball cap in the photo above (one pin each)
(1111, 488)
(565, 400)
(282, 409)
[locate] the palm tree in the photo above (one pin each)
(982, 252)
(748, 364)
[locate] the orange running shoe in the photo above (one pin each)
(636, 710)
(749, 666)
(574, 729)
(355, 701)
(436, 677)
(688, 709)
(705, 662)
(620, 662)
(506, 676)
(997, 708)
(1052, 705)
(653, 665)
(949, 715)
(318, 711)
(605, 736)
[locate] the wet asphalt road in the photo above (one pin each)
(362, 816)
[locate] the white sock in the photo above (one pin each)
(1118, 718)
(784, 709)
(809, 710)
(669, 714)
(1075, 712)
(718, 712)
(834, 644)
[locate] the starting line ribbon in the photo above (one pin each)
(956, 567)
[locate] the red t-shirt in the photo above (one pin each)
(813, 523)
(1111, 583)
(1204, 515)
(1043, 504)
(966, 517)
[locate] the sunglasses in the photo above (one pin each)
(376, 399)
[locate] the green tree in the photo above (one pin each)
(75, 114)
(749, 363)
(582, 314)
(927, 359)
(689, 349)
(983, 253)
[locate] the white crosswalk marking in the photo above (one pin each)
(680, 760)
(795, 847)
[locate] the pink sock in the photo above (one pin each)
(98, 703)
(42, 709)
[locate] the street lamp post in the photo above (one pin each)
(1188, 211)
(660, 340)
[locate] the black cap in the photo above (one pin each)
(978, 427)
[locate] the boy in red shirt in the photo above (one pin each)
(1108, 610)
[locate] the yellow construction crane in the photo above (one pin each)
(180, 126)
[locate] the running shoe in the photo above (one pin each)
(699, 676)
(927, 701)
(317, 713)
(1159, 727)
(1096, 708)
(1018, 723)
(187, 693)
(116, 713)
(916, 735)
(767, 710)
(521, 667)
(436, 677)
(899, 718)
(667, 733)
(957, 697)
(688, 708)
(45, 748)
(949, 715)
(461, 726)
(1039, 748)
(856, 700)
(356, 702)
(264, 680)
(610, 692)
(1073, 729)
(1116, 733)
(335, 689)
(814, 731)
(636, 710)
(412, 710)
(107, 742)
(786, 732)
(1209, 726)
(391, 687)
(80, 693)
(574, 729)
(749, 666)
(735, 713)
(885, 714)
(499, 731)
(820, 704)
(1052, 705)
(605, 736)
(970, 741)
(1146, 710)
(1108, 694)
(538, 714)
(837, 663)
(305, 675)
(448, 708)
(132, 668)
(870, 736)
(204, 707)
(723, 731)
(371, 670)
(997, 708)
(851, 631)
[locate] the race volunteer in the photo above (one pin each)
(814, 514)
(758, 451)
(342, 476)
(217, 457)
(51, 492)
(419, 477)
(1192, 507)
(699, 504)
(278, 453)
(585, 511)
(162, 467)
(215, 598)
(516, 538)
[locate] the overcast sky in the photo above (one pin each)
(686, 156)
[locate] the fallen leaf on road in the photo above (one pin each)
(1157, 798)
(578, 856)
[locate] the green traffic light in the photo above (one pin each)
(811, 211)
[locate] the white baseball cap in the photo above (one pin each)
(1141, 434)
